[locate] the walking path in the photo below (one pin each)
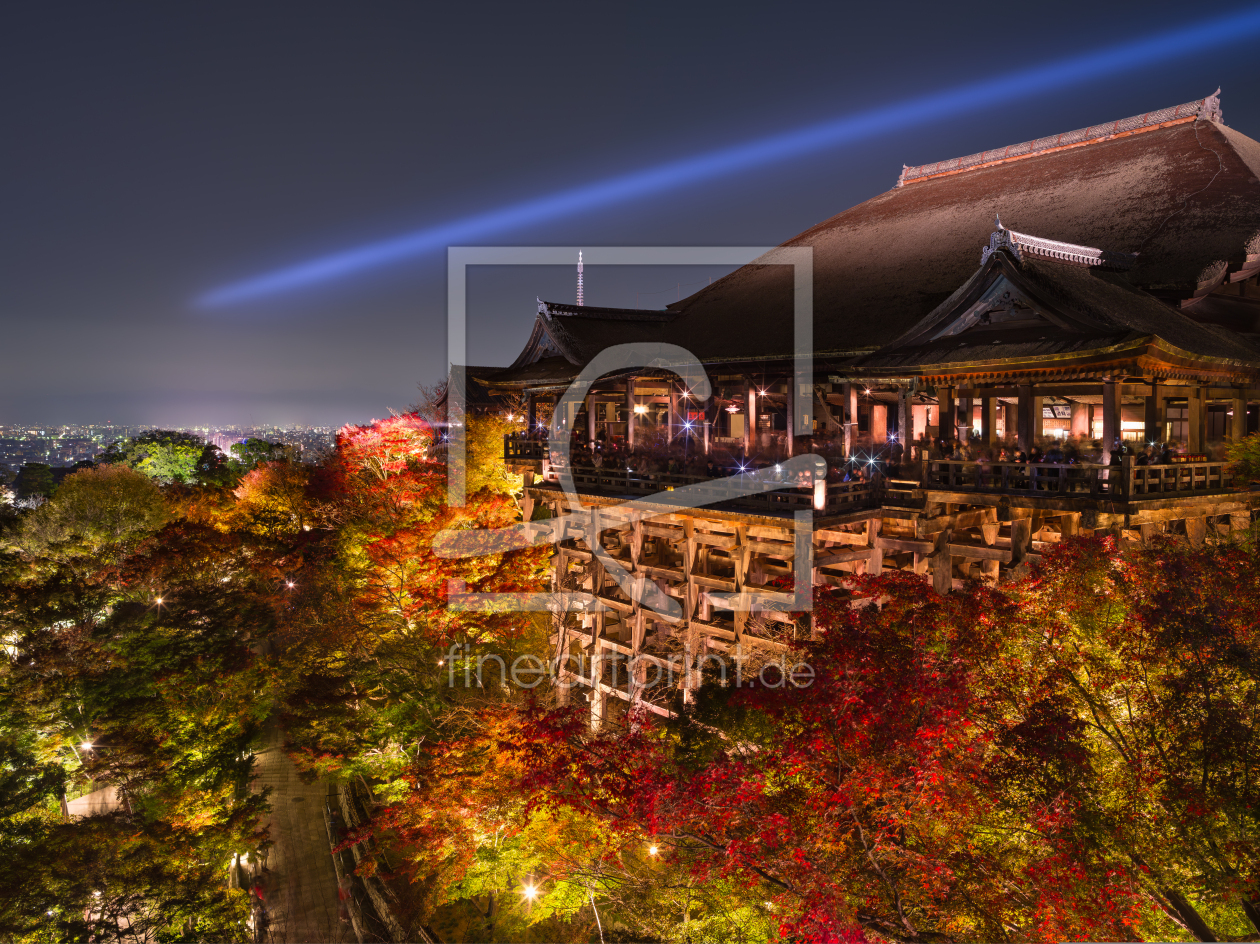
(302, 885)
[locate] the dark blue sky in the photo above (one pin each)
(152, 152)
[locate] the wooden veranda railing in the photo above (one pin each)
(839, 497)
(1125, 481)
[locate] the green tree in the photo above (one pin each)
(100, 513)
(165, 455)
(35, 478)
(131, 667)
(1245, 454)
(247, 455)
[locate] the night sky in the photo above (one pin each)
(152, 153)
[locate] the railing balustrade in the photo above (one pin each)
(1126, 481)
(840, 496)
(1083, 479)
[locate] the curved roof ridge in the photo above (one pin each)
(1021, 243)
(1207, 109)
(597, 312)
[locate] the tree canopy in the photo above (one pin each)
(164, 455)
(1070, 756)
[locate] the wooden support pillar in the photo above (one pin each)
(1153, 415)
(1111, 419)
(599, 700)
(1080, 419)
(943, 564)
(740, 556)
(1038, 418)
(947, 422)
(706, 434)
(988, 421)
(1196, 530)
(1238, 419)
(1024, 412)
(875, 563)
(630, 414)
(905, 420)
(850, 417)
(1021, 539)
(791, 417)
(826, 415)
(966, 418)
(879, 422)
(750, 424)
(1196, 403)
(675, 425)
(591, 407)
(531, 413)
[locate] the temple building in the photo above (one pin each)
(1021, 345)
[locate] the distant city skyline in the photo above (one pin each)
(64, 444)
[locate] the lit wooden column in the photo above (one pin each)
(1238, 422)
(1153, 414)
(1080, 419)
(879, 422)
(598, 698)
(905, 420)
(825, 414)
(750, 426)
(947, 422)
(850, 409)
(988, 420)
(1038, 417)
(1024, 417)
(630, 415)
(1111, 419)
(967, 409)
(675, 426)
(791, 417)
(591, 406)
(1196, 403)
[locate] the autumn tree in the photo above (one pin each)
(130, 636)
(378, 655)
(98, 514)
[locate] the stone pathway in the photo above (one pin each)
(302, 884)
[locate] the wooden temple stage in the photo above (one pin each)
(1131, 320)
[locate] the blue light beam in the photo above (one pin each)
(1158, 48)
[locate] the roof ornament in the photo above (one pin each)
(1020, 243)
(1210, 110)
(999, 239)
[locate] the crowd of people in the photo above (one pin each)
(653, 453)
(1067, 451)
